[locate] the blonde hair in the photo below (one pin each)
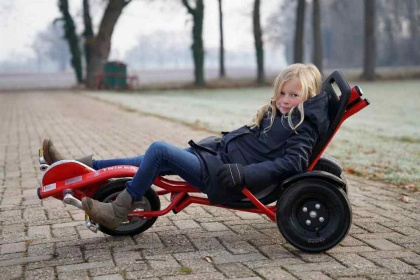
(311, 81)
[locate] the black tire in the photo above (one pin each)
(150, 201)
(331, 165)
(323, 200)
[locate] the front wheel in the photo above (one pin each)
(136, 225)
(313, 215)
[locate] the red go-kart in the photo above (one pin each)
(312, 210)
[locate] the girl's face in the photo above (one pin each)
(290, 96)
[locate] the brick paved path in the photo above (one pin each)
(46, 240)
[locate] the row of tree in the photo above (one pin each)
(335, 28)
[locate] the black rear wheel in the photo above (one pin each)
(313, 215)
(135, 225)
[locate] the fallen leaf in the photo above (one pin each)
(208, 259)
(351, 170)
(405, 199)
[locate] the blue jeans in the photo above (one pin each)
(159, 158)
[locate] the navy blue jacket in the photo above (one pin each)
(269, 157)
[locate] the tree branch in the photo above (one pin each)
(187, 5)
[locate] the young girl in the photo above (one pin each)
(276, 145)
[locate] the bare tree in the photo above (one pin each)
(101, 43)
(222, 48)
(370, 51)
(259, 49)
(197, 47)
(72, 39)
(317, 51)
(88, 32)
(413, 7)
(300, 24)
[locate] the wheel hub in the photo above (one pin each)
(312, 215)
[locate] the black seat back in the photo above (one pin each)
(337, 105)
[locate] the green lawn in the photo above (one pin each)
(381, 142)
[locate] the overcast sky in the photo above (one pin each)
(20, 20)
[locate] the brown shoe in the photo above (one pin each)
(88, 160)
(109, 215)
(50, 152)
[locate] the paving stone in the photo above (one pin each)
(99, 255)
(162, 261)
(101, 271)
(70, 252)
(350, 241)
(220, 259)
(198, 266)
(13, 272)
(352, 278)
(353, 260)
(148, 240)
(275, 252)
(394, 277)
(205, 244)
(397, 266)
(109, 277)
(274, 273)
(248, 215)
(23, 260)
(313, 266)
(238, 246)
(216, 226)
(314, 275)
(13, 248)
(356, 272)
(389, 255)
(83, 266)
(382, 244)
(272, 263)
(157, 273)
(80, 274)
(235, 270)
(210, 276)
(46, 273)
(39, 232)
(355, 249)
(186, 224)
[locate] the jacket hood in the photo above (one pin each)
(315, 111)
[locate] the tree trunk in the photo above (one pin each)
(391, 50)
(318, 51)
(72, 39)
(370, 51)
(300, 20)
(101, 44)
(88, 33)
(412, 10)
(197, 45)
(259, 49)
(222, 48)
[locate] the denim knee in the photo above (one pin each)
(158, 149)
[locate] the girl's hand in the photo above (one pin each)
(231, 176)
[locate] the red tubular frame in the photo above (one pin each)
(181, 190)
(355, 105)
